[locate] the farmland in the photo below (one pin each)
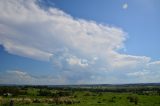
(81, 95)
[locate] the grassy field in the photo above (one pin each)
(92, 96)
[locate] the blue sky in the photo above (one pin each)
(79, 42)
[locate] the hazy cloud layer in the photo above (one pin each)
(22, 77)
(83, 51)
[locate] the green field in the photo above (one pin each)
(80, 96)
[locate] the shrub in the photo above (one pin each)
(98, 102)
(113, 99)
(87, 94)
(133, 99)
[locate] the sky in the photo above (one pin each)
(54, 42)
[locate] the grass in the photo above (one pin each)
(104, 99)
(82, 98)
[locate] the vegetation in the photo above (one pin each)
(136, 95)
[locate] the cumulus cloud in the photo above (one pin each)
(76, 61)
(64, 60)
(30, 31)
(82, 50)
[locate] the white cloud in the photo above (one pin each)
(15, 77)
(33, 32)
(65, 60)
(149, 73)
(26, 51)
(119, 61)
(125, 6)
(22, 77)
(154, 69)
(138, 74)
(76, 61)
(154, 63)
(79, 48)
